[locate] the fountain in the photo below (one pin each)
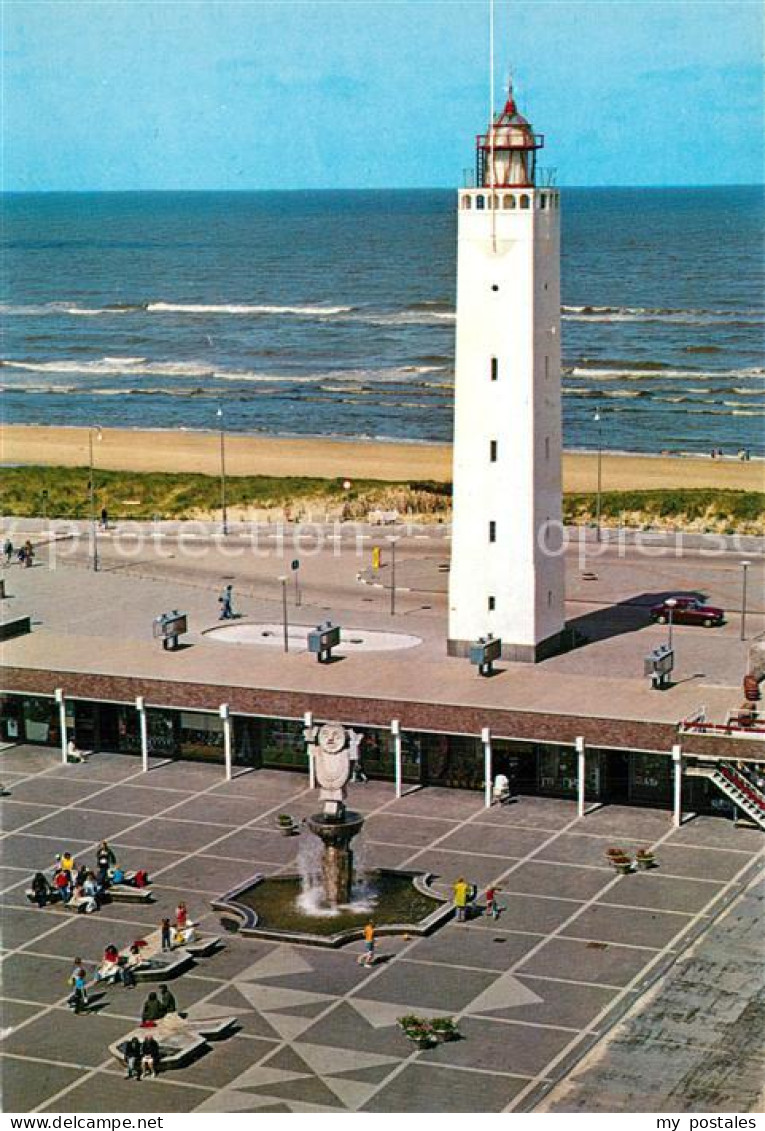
(328, 904)
(334, 750)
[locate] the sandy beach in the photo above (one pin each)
(317, 457)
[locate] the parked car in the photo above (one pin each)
(688, 610)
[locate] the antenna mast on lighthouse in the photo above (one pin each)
(491, 126)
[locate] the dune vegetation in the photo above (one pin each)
(64, 493)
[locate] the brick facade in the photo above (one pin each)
(446, 718)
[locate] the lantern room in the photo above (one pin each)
(506, 156)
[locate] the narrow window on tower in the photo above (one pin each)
(549, 598)
(492, 451)
(494, 369)
(492, 531)
(547, 447)
(492, 604)
(547, 367)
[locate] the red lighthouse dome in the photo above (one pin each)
(506, 154)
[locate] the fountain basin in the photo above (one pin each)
(400, 902)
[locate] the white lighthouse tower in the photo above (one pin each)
(507, 572)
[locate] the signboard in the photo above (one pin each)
(659, 662)
(170, 624)
(486, 651)
(322, 640)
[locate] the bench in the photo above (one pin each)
(128, 893)
(179, 1038)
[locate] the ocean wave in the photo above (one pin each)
(605, 374)
(662, 314)
(244, 308)
(132, 367)
(263, 309)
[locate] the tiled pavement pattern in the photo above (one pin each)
(697, 1037)
(574, 949)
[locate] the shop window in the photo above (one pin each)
(650, 779)
(558, 771)
(41, 721)
(11, 718)
(162, 727)
(455, 761)
(282, 744)
(201, 737)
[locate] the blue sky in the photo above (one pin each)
(144, 94)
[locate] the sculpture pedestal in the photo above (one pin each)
(337, 858)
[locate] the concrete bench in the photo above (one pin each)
(128, 893)
(180, 1039)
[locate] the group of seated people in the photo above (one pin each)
(141, 1057)
(81, 886)
(117, 967)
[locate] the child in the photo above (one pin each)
(492, 907)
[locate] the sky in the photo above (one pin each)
(291, 94)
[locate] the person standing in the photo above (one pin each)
(226, 603)
(105, 857)
(166, 943)
(29, 554)
(8, 551)
(181, 916)
(492, 907)
(40, 889)
(369, 944)
(78, 980)
(104, 518)
(461, 891)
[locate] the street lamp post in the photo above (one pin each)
(598, 421)
(224, 513)
(92, 493)
(392, 542)
(744, 570)
(670, 603)
(285, 625)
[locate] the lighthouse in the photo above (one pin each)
(507, 570)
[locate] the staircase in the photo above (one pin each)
(737, 787)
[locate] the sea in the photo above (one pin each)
(332, 314)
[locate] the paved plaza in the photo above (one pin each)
(572, 954)
(102, 622)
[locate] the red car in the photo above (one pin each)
(687, 610)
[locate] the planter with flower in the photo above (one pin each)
(620, 860)
(417, 1030)
(287, 825)
(444, 1028)
(645, 859)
